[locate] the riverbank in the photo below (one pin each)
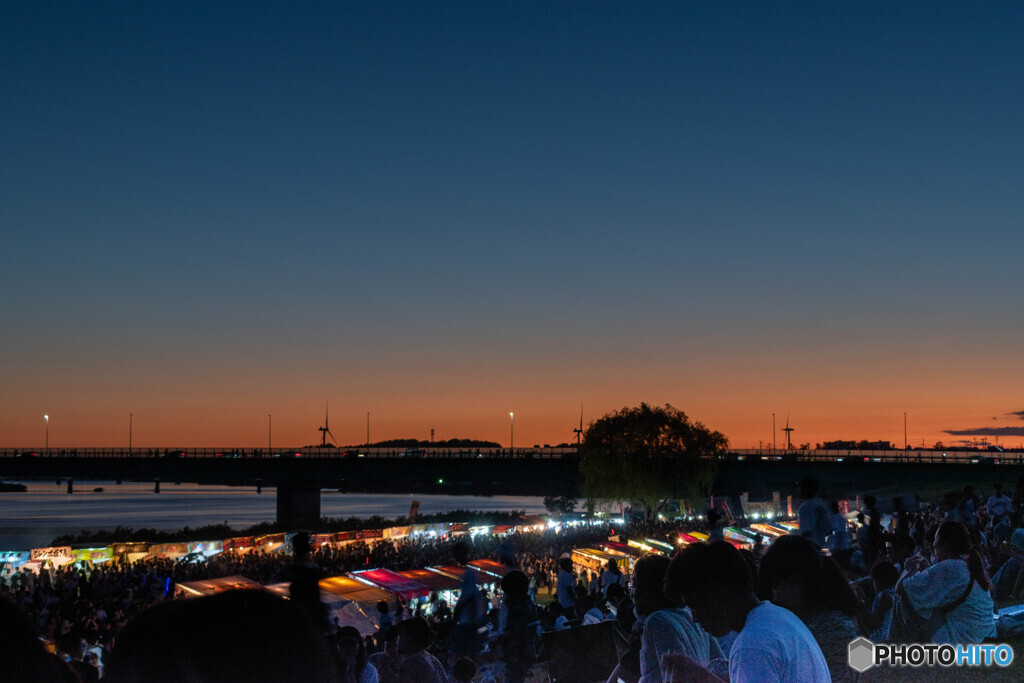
(34, 518)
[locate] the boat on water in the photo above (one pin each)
(10, 487)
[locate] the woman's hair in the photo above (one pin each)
(416, 633)
(613, 567)
(649, 584)
(243, 635)
(566, 564)
(957, 541)
(822, 583)
(885, 574)
(515, 586)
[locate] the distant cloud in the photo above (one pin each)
(1017, 413)
(987, 431)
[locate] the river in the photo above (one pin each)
(34, 518)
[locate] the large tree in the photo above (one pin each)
(649, 455)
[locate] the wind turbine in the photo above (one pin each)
(789, 431)
(325, 430)
(579, 430)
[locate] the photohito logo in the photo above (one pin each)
(864, 654)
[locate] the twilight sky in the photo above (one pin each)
(439, 213)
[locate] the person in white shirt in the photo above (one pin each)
(773, 644)
(948, 602)
(999, 504)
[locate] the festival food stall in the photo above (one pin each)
(441, 587)
(650, 545)
(130, 551)
(624, 549)
(686, 539)
(495, 569)
(456, 572)
(339, 610)
(737, 538)
(595, 560)
(193, 589)
(405, 588)
(768, 530)
(57, 556)
(365, 595)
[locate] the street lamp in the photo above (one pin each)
(47, 418)
(130, 416)
(270, 424)
(511, 431)
(367, 429)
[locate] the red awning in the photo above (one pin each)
(435, 581)
(393, 582)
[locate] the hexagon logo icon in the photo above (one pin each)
(862, 655)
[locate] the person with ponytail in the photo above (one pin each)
(948, 602)
(796, 575)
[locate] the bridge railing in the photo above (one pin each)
(1014, 457)
(260, 453)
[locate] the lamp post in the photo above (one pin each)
(47, 442)
(511, 431)
(270, 426)
(130, 416)
(773, 433)
(367, 429)
(905, 446)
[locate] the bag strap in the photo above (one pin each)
(946, 609)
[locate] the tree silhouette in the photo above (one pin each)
(649, 455)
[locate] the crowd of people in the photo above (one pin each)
(782, 610)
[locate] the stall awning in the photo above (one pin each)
(435, 581)
(393, 582)
(456, 572)
(350, 589)
(620, 548)
(339, 609)
(495, 569)
(214, 586)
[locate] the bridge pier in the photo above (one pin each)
(156, 485)
(71, 485)
(298, 503)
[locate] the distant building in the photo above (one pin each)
(857, 446)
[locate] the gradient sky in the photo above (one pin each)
(439, 213)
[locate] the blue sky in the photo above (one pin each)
(441, 212)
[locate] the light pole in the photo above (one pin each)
(367, 429)
(511, 431)
(270, 426)
(773, 433)
(130, 416)
(905, 430)
(47, 443)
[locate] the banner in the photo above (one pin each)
(62, 552)
(93, 554)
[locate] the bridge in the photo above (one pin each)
(298, 475)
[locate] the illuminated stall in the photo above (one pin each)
(405, 588)
(442, 586)
(495, 569)
(193, 589)
(339, 610)
(595, 560)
